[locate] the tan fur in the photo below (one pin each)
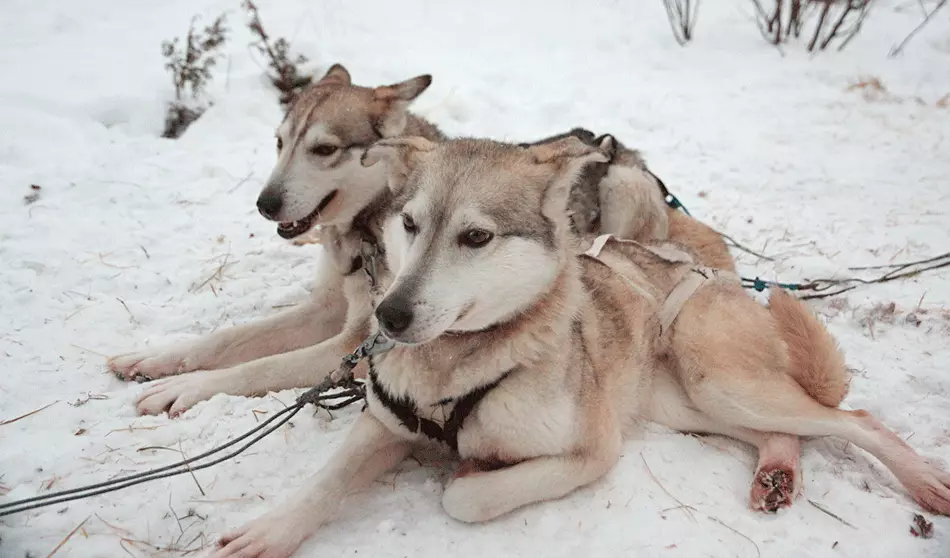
(644, 217)
(576, 362)
(815, 361)
(709, 246)
(294, 348)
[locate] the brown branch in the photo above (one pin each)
(737, 244)
(821, 24)
(31, 413)
(69, 536)
(834, 29)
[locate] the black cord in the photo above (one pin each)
(117, 484)
(353, 391)
(150, 472)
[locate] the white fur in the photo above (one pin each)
(458, 287)
(305, 179)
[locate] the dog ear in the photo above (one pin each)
(392, 104)
(568, 156)
(398, 155)
(337, 74)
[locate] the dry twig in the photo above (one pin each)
(929, 15)
(829, 512)
(682, 16)
(743, 535)
(685, 507)
(31, 413)
(69, 536)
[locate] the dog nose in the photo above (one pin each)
(269, 205)
(394, 315)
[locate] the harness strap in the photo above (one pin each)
(688, 285)
(406, 410)
(681, 293)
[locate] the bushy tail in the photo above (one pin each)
(815, 361)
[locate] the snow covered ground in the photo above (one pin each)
(137, 240)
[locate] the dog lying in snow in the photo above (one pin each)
(318, 180)
(533, 362)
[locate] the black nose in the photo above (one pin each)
(269, 205)
(394, 315)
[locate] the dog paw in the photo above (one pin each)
(464, 501)
(931, 489)
(269, 536)
(177, 395)
(773, 488)
(153, 364)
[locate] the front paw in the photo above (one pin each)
(152, 364)
(274, 535)
(177, 395)
(463, 501)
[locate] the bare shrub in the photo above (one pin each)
(682, 15)
(190, 66)
(823, 23)
(283, 68)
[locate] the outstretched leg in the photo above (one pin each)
(777, 480)
(301, 368)
(370, 449)
(776, 403)
(313, 321)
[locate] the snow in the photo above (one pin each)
(771, 147)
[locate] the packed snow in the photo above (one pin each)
(136, 240)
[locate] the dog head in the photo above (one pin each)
(478, 232)
(318, 178)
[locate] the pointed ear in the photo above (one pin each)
(399, 157)
(569, 157)
(392, 103)
(337, 74)
(608, 145)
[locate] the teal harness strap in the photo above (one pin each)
(757, 283)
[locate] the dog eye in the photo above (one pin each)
(280, 143)
(324, 150)
(475, 238)
(409, 224)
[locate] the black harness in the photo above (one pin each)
(403, 408)
(406, 410)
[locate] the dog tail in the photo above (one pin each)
(815, 361)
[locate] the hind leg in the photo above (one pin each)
(777, 480)
(776, 403)
(778, 476)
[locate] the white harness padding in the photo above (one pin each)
(689, 284)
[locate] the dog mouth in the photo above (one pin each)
(292, 229)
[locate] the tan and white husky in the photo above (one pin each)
(318, 180)
(534, 362)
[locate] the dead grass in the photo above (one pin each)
(31, 413)
(69, 536)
